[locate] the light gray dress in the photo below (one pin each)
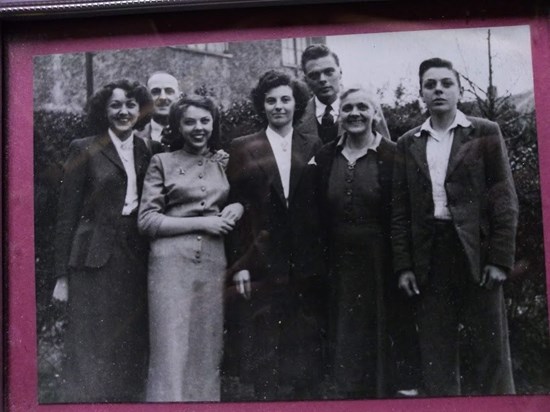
(186, 277)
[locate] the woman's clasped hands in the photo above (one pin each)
(225, 221)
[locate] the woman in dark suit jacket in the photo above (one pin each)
(276, 255)
(354, 186)
(100, 256)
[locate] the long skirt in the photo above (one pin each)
(186, 280)
(106, 341)
(357, 320)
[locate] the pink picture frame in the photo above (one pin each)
(26, 38)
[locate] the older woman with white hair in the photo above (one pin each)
(354, 186)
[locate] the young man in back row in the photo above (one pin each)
(453, 233)
(323, 76)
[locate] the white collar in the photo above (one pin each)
(272, 134)
(460, 120)
(119, 144)
(156, 129)
(373, 146)
(320, 107)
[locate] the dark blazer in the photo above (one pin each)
(274, 241)
(92, 195)
(480, 193)
(153, 146)
(308, 124)
(324, 160)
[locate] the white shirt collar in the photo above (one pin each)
(119, 144)
(320, 107)
(373, 146)
(125, 150)
(156, 130)
(281, 147)
(272, 134)
(460, 120)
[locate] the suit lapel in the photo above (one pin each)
(418, 152)
(308, 122)
(340, 129)
(301, 148)
(263, 154)
(108, 149)
(141, 157)
(462, 136)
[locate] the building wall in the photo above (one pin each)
(60, 80)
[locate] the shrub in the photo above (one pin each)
(239, 119)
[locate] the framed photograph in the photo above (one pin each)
(188, 226)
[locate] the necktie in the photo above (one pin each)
(328, 119)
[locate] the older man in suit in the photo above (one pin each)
(165, 90)
(323, 75)
(453, 231)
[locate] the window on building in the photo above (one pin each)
(219, 48)
(292, 50)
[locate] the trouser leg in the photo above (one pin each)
(438, 313)
(438, 341)
(487, 326)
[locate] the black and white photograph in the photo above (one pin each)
(331, 217)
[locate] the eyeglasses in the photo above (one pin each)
(316, 75)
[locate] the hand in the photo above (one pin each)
(407, 283)
(242, 282)
(61, 289)
(234, 211)
(217, 225)
(492, 276)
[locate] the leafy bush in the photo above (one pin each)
(239, 119)
(403, 117)
(52, 135)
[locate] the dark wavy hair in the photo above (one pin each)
(316, 51)
(272, 79)
(96, 108)
(172, 133)
(437, 63)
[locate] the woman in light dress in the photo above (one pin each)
(184, 212)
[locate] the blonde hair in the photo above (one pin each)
(371, 98)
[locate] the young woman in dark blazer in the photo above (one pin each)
(100, 256)
(277, 251)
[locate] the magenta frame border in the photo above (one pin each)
(20, 314)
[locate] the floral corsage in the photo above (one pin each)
(221, 157)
